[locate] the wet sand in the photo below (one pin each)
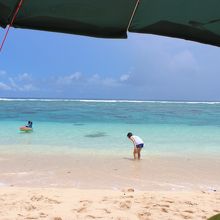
(110, 172)
(66, 187)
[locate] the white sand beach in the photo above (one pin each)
(66, 187)
(128, 204)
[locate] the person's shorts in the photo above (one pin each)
(139, 145)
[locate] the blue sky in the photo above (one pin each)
(41, 64)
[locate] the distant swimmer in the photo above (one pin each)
(138, 145)
(29, 125)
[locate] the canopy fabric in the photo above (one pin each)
(97, 18)
(197, 20)
(188, 19)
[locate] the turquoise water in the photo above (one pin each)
(67, 126)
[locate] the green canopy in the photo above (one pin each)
(188, 19)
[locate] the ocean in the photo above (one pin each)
(100, 126)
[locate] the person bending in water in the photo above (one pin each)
(138, 145)
(29, 125)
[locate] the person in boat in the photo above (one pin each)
(138, 145)
(29, 125)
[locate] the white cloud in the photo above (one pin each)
(95, 77)
(24, 87)
(183, 61)
(75, 76)
(124, 77)
(28, 87)
(67, 80)
(92, 80)
(3, 86)
(98, 80)
(13, 84)
(21, 82)
(108, 81)
(24, 77)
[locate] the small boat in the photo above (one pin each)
(26, 129)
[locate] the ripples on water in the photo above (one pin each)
(115, 112)
(64, 125)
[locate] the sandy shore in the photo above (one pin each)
(68, 187)
(68, 204)
(106, 172)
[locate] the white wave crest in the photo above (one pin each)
(107, 101)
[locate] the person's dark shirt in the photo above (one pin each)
(29, 124)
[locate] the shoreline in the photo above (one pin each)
(66, 186)
(50, 150)
(110, 172)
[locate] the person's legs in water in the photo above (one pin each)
(139, 152)
(135, 152)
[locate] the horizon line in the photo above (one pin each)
(109, 100)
